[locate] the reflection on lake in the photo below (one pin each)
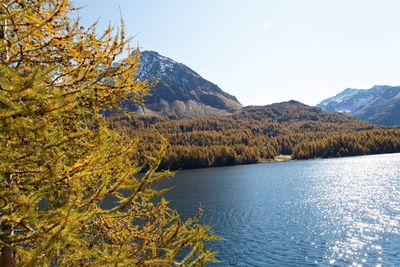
(318, 212)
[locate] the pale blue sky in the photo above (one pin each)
(265, 51)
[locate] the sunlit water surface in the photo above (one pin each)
(340, 212)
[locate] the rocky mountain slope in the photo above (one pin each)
(378, 105)
(180, 92)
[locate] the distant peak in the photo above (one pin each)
(180, 91)
(154, 54)
(378, 105)
(383, 87)
(294, 102)
(149, 52)
(348, 90)
(291, 102)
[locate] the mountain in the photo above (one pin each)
(378, 105)
(279, 112)
(260, 133)
(179, 91)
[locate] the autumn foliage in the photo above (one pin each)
(258, 134)
(59, 159)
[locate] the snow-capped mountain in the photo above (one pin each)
(378, 105)
(180, 91)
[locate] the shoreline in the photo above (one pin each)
(278, 159)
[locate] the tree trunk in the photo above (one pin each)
(7, 255)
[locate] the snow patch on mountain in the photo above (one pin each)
(179, 91)
(376, 105)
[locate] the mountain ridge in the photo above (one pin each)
(179, 92)
(377, 105)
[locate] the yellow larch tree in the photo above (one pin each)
(59, 159)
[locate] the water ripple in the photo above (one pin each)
(340, 212)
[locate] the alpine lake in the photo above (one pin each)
(324, 212)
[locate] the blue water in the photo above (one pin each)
(339, 212)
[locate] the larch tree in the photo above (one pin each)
(59, 159)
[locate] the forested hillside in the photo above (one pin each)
(376, 141)
(256, 134)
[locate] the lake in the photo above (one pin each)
(337, 212)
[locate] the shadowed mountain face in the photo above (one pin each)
(180, 92)
(378, 105)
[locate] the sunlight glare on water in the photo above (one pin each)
(338, 212)
(358, 200)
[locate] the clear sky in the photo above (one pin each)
(265, 51)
